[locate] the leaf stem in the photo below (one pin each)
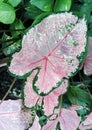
(60, 105)
(3, 62)
(8, 90)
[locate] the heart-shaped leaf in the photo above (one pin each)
(52, 46)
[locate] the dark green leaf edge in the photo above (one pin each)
(83, 55)
(36, 89)
(80, 59)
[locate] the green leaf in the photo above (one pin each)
(88, 1)
(82, 112)
(14, 3)
(39, 18)
(78, 96)
(7, 13)
(17, 25)
(1, 0)
(86, 8)
(10, 47)
(79, 14)
(43, 120)
(62, 5)
(44, 5)
(32, 12)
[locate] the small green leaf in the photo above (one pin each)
(14, 3)
(32, 12)
(82, 112)
(78, 96)
(7, 13)
(10, 47)
(44, 5)
(62, 5)
(17, 25)
(43, 120)
(40, 17)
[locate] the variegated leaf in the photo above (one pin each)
(68, 119)
(55, 46)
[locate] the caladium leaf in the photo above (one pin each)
(88, 61)
(11, 116)
(36, 125)
(30, 97)
(50, 100)
(87, 124)
(52, 46)
(68, 121)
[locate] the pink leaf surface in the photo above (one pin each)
(52, 46)
(30, 97)
(50, 101)
(87, 124)
(75, 107)
(68, 121)
(36, 125)
(11, 116)
(88, 61)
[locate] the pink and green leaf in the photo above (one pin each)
(30, 96)
(36, 125)
(68, 119)
(50, 100)
(53, 47)
(11, 115)
(87, 124)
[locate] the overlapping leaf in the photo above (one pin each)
(11, 116)
(50, 100)
(52, 46)
(87, 124)
(68, 121)
(36, 125)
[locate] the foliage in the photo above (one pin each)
(7, 13)
(49, 44)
